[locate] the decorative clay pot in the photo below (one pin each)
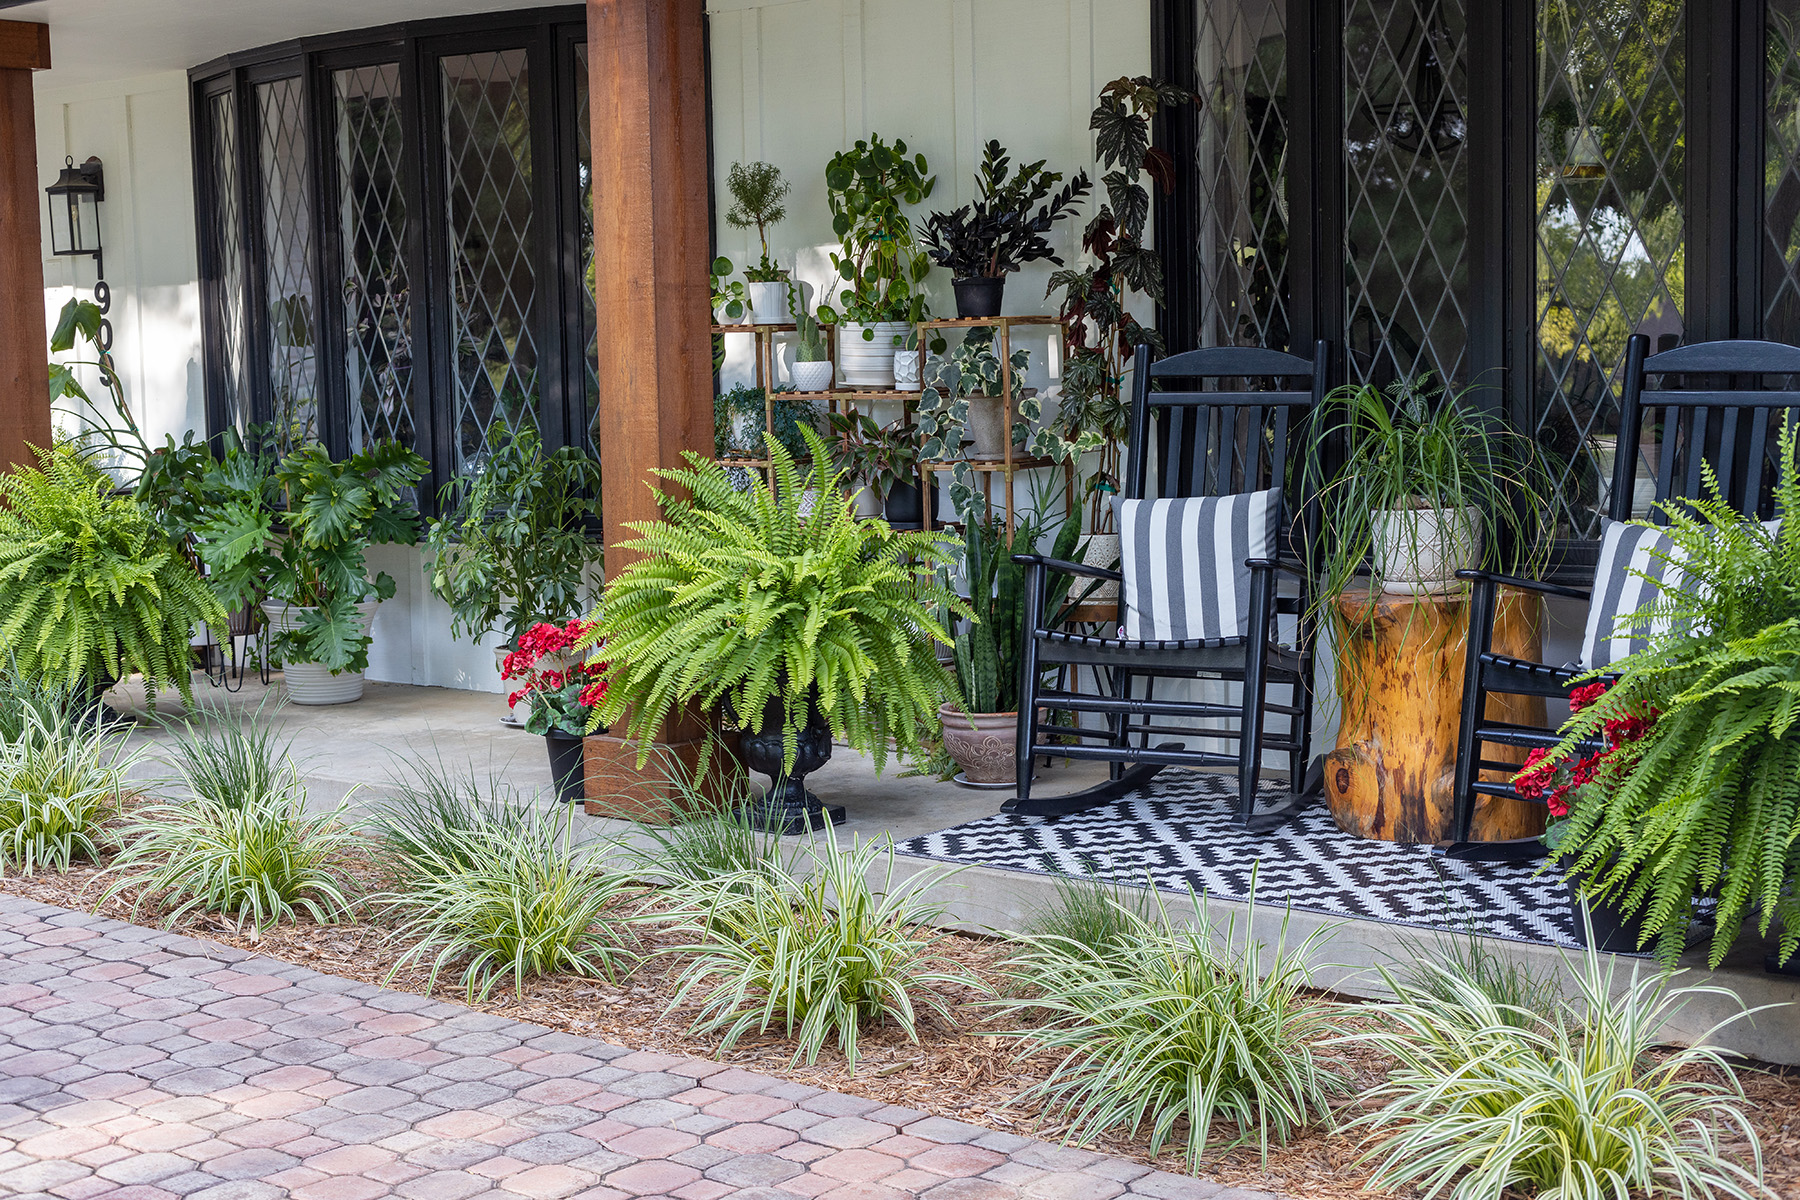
(1419, 550)
(315, 683)
(988, 753)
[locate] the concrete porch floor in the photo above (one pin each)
(363, 746)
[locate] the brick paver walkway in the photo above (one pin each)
(138, 1065)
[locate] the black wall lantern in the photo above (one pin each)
(75, 231)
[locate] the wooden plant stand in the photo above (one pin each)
(1390, 779)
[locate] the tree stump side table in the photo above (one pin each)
(1390, 779)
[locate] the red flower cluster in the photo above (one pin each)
(543, 641)
(1538, 780)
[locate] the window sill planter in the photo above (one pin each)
(315, 683)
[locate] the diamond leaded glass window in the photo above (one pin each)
(287, 263)
(1781, 172)
(227, 254)
(372, 220)
(492, 239)
(1611, 238)
(1242, 149)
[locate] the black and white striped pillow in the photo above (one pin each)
(1183, 562)
(1638, 564)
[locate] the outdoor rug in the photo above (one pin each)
(1181, 834)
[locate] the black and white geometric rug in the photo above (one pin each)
(1181, 835)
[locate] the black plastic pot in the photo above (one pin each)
(1613, 931)
(566, 765)
(905, 505)
(979, 297)
(787, 806)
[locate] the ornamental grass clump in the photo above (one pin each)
(242, 844)
(428, 819)
(1486, 1101)
(1091, 916)
(816, 955)
(509, 897)
(60, 776)
(1175, 1030)
(714, 835)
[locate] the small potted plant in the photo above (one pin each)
(886, 459)
(516, 543)
(563, 690)
(758, 192)
(984, 241)
(298, 539)
(879, 262)
(964, 395)
(812, 356)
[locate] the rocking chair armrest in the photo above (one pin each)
(1530, 585)
(1057, 564)
(1297, 570)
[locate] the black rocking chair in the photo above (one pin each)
(1220, 443)
(1727, 424)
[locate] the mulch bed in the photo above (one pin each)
(965, 1073)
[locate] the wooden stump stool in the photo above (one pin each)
(1400, 681)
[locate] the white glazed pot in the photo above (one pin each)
(1420, 550)
(869, 363)
(768, 303)
(313, 683)
(906, 370)
(812, 376)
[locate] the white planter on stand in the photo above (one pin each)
(869, 362)
(1418, 551)
(812, 376)
(768, 303)
(314, 683)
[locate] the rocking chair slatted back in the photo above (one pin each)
(1728, 426)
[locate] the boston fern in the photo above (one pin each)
(93, 589)
(1707, 802)
(740, 598)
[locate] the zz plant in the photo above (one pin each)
(738, 599)
(513, 547)
(1706, 803)
(94, 589)
(301, 535)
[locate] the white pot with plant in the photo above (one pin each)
(1431, 484)
(758, 192)
(812, 368)
(879, 262)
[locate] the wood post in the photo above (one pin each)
(24, 342)
(652, 246)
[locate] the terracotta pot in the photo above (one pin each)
(988, 753)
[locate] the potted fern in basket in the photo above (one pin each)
(801, 625)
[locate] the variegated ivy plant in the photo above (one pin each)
(972, 369)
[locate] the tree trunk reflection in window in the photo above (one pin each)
(1611, 240)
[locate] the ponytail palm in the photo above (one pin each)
(742, 597)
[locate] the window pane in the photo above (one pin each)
(493, 283)
(1242, 148)
(1610, 227)
(372, 217)
(227, 253)
(287, 264)
(1406, 273)
(584, 213)
(1781, 174)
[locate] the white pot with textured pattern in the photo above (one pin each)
(1418, 551)
(314, 683)
(869, 362)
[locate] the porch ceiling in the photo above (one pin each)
(93, 41)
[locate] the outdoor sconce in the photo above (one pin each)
(75, 209)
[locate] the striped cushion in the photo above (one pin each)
(1635, 570)
(1183, 562)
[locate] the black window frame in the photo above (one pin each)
(549, 35)
(1722, 187)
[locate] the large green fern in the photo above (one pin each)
(90, 588)
(1707, 804)
(740, 598)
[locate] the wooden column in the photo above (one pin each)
(652, 245)
(24, 342)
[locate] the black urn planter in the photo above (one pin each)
(905, 505)
(787, 807)
(1614, 932)
(566, 765)
(979, 297)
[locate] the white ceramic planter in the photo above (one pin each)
(906, 370)
(313, 683)
(812, 376)
(768, 303)
(1420, 550)
(869, 362)
(867, 503)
